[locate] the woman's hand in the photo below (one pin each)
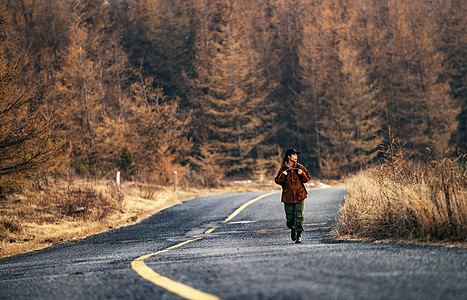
(300, 171)
(284, 172)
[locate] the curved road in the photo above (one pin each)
(192, 248)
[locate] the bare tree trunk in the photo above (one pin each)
(119, 79)
(86, 107)
(143, 83)
(315, 113)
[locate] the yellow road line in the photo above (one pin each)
(210, 230)
(175, 287)
(236, 212)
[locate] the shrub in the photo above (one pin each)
(125, 163)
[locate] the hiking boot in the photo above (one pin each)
(292, 234)
(299, 237)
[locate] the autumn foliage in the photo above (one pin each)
(218, 88)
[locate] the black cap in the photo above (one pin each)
(291, 151)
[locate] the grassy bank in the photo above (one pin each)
(407, 202)
(69, 209)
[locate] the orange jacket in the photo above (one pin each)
(293, 190)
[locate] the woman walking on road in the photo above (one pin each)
(292, 177)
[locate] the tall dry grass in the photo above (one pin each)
(406, 200)
(61, 210)
(55, 212)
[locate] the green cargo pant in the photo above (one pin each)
(294, 215)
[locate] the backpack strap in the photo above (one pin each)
(298, 166)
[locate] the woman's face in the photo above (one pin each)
(293, 157)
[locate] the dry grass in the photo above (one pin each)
(64, 210)
(407, 202)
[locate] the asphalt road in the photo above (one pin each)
(250, 256)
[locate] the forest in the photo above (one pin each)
(219, 88)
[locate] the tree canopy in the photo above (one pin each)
(173, 84)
